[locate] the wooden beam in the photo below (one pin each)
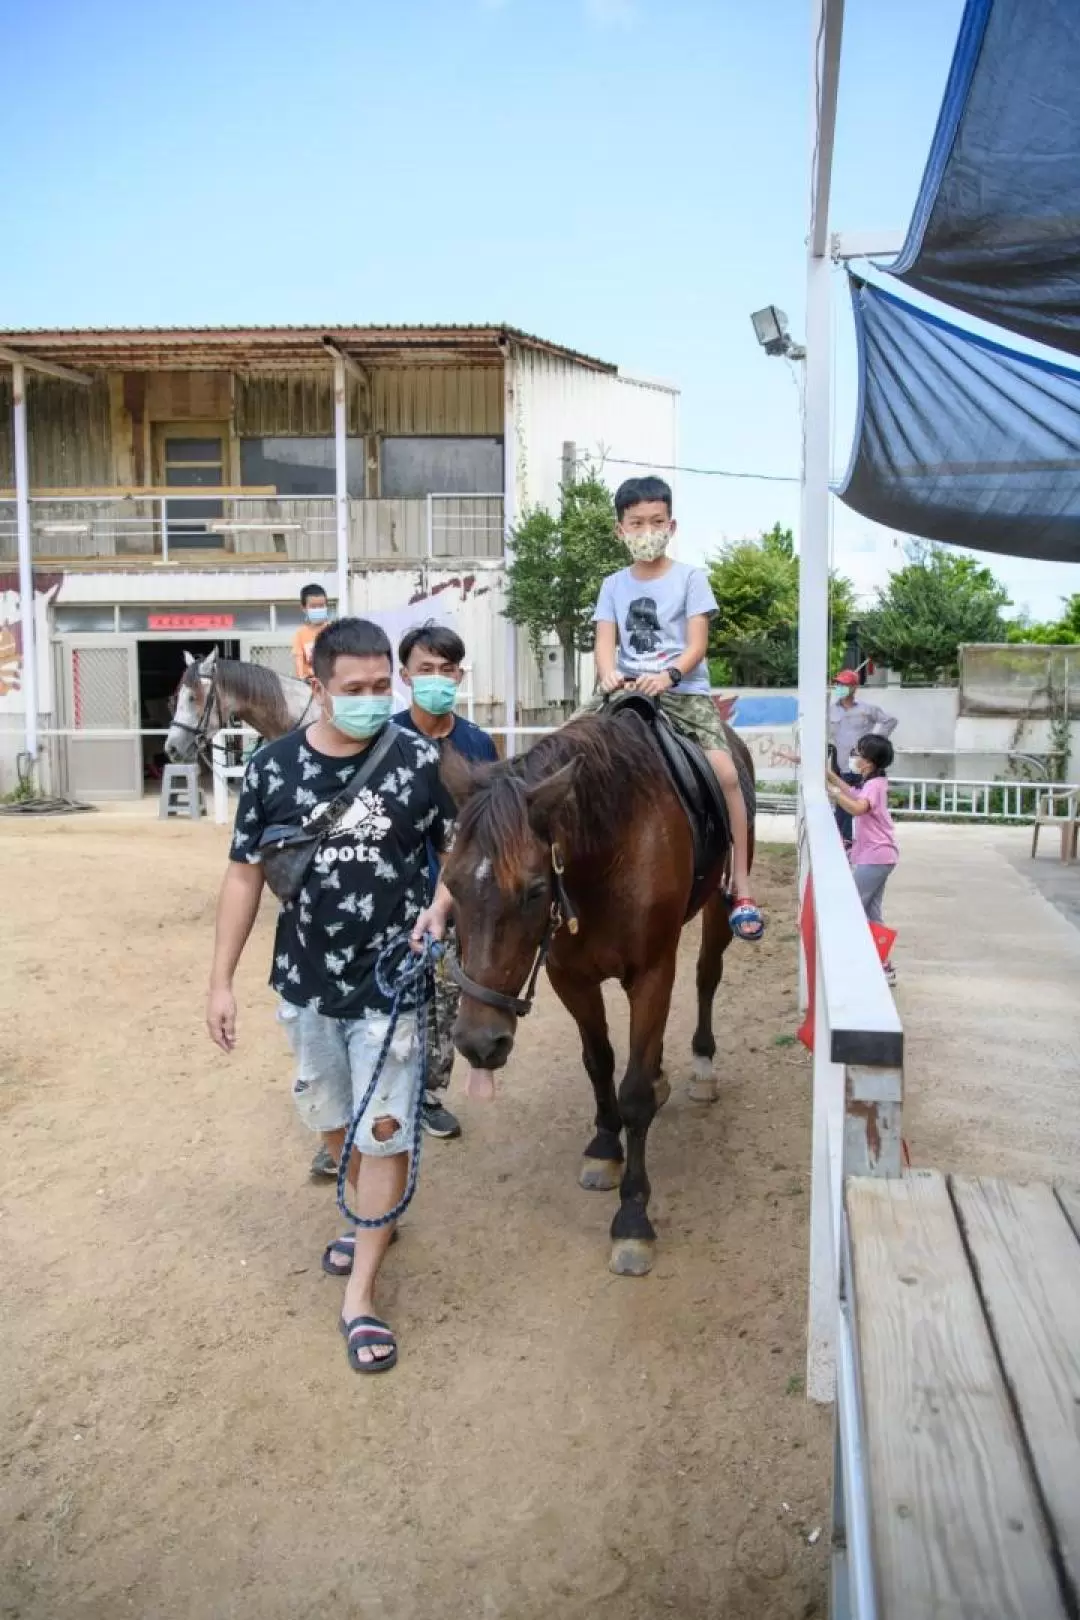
(47, 367)
(956, 1522)
(353, 367)
(122, 492)
(1027, 1261)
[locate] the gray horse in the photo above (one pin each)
(220, 692)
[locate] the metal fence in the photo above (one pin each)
(300, 528)
(296, 528)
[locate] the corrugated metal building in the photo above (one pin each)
(191, 484)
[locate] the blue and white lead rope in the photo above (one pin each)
(415, 972)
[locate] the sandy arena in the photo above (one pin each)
(182, 1437)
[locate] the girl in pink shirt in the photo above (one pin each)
(874, 852)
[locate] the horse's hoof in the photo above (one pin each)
(631, 1257)
(600, 1175)
(704, 1087)
(661, 1089)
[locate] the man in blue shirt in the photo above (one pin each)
(431, 658)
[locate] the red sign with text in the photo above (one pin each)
(190, 621)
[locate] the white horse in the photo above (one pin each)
(220, 692)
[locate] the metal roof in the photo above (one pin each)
(240, 347)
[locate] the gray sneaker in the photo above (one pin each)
(324, 1163)
(437, 1120)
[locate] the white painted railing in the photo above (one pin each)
(973, 800)
(933, 796)
(858, 1069)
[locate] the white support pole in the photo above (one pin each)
(510, 460)
(827, 24)
(341, 482)
(26, 557)
(814, 534)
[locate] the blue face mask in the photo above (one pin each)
(437, 694)
(317, 615)
(361, 717)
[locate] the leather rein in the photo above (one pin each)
(561, 914)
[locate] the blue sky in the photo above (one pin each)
(627, 177)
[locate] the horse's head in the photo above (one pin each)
(191, 719)
(502, 875)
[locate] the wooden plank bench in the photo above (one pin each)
(957, 1486)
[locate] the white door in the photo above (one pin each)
(101, 693)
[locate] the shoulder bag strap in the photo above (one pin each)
(364, 772)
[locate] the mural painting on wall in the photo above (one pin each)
(768, 724)
(11, 640)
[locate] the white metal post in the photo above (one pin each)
(510, 459)
(826, 34)
(814, 535)
(341, 482)
(26, 558)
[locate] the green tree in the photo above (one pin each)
(558, 564)
(1062, 632)
(755, 636)
(939, 600)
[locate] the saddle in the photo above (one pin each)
(695, 784)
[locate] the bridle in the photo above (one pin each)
(561, 914)
(201, 732)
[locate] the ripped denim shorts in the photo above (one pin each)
(335, 1059)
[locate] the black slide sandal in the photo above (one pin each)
(364, 1333)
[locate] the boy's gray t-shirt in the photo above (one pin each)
(651, 615)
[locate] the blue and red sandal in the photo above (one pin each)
(746, 920)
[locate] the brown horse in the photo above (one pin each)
(579, 855)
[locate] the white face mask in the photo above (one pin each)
(647, 547)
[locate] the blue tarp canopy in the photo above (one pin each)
(959, 439)
(996, 228)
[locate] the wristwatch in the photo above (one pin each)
(674, 675)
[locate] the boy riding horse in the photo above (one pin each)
(652, 636)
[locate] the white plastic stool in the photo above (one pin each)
(180, 794)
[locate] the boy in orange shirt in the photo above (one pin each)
(316, 612)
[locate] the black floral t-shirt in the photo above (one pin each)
(366, 885)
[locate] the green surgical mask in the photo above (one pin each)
(840, 693)
(437, 694)
(361, 717)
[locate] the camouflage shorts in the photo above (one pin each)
(691, 713)
(442, 1011)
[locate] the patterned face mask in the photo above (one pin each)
(648, 546)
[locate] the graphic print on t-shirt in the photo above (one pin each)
(367, 883)
(643, 625)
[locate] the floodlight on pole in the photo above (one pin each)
(771, 330)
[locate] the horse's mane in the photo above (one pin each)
(249, 684)
(618, 768)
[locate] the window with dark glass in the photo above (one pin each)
(414, 467)
(295, 466)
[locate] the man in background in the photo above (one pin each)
(316, 613)
(851, 719)
(432, 660)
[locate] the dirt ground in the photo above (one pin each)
(181, 1435)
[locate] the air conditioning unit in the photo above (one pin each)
(551, 673)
